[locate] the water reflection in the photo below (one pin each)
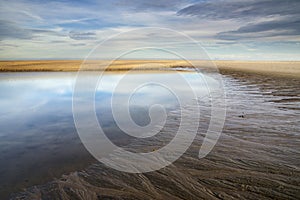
(38, 139)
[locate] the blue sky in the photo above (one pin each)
(233, 29)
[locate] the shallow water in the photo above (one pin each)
(257, 156)
(38, 137)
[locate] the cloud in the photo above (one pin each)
(9, 45)
(260, 18)
(76, 35)
(12, 30)
(78, 44)
(273, 28)
(68, 28)
(154, 5)
(241, 9)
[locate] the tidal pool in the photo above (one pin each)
(38, 138)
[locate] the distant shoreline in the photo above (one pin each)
(280, 68)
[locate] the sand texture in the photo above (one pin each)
(284, 68)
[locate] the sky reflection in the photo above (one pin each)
(37, 127)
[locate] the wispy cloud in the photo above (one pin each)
(239, 9)
(282, 27)
(261, 18)
(70, 28)
(75, 35)
(12, 30)
(154, 5)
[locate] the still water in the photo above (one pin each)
(38, 138)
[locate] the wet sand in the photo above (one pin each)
(257, 156)
(284, 68)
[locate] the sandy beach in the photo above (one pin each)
(150, 100)
(255, 158)
(280, 68)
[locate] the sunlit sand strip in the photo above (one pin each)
(282, 68)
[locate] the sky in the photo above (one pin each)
(225, 30)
